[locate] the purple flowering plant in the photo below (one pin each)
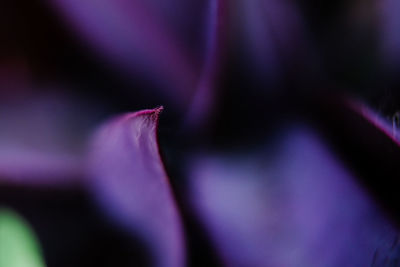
(199, 133)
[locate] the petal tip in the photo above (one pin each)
(153, 114)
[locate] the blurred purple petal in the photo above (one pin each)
(274, 36)
(133, 37)
(257, 36)
(41, 140)
(293, 204)
(33, 168)
(365, 140)
(129, 180)
(205, 96)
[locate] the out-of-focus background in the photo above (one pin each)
(345, 45)
(131, 55)
(227, 73)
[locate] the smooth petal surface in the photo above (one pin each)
(128, 178)
(131, 36)
(291, 204)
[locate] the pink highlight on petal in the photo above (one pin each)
(373, 118)
(128, 178)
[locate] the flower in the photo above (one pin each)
(251, 163)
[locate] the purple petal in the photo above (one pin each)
(129, 180)
(134, 38)
(205, 96)
(261, 44)
(35, 168)
(274, 37)
(365, 141)
(294, 204)
(41, 140)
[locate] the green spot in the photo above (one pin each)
(18, 245)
